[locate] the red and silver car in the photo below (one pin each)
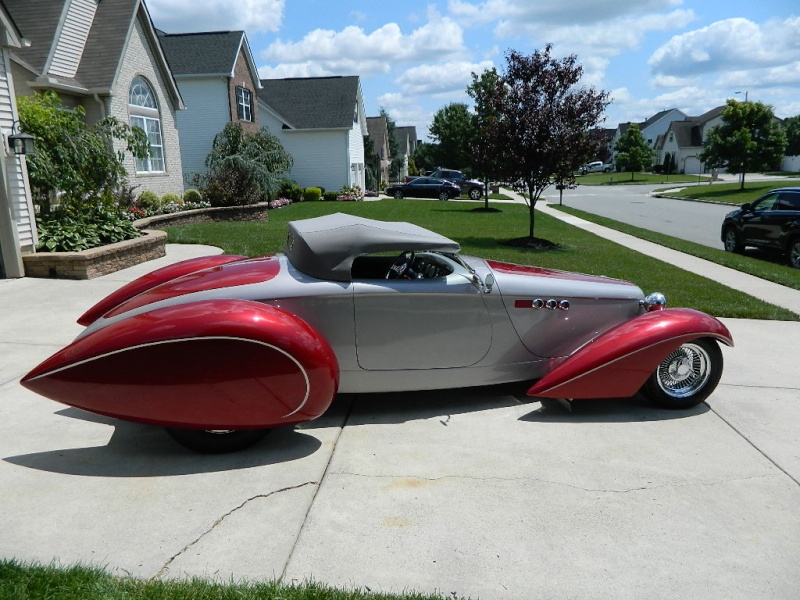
(220, 349)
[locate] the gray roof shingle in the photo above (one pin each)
(313, 102)
(207, 53)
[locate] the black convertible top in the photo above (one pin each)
(325, 247)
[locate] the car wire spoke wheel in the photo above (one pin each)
(687, 376)
(684, 371)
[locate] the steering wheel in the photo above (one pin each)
(401, 267)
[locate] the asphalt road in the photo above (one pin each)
(693, 221)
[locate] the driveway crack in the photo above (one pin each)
(165, 568)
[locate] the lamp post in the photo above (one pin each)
(746, 92)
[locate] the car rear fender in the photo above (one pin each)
(213, 364)
(151, 280)
(617, 363)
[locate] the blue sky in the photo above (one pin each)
(415, 57)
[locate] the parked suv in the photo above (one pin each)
(471, 187)
(772, 222)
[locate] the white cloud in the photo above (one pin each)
(181, 16)
(733, 44)
(387, 45)
(441, 78)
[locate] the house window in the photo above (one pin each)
(143, 111)
(244, 104)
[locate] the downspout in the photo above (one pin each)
(102, 104)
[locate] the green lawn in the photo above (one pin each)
(38, 582)
(481, 234)
(638, 178)
(729, 193)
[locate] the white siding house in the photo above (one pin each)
(17, 222)
(321, 123)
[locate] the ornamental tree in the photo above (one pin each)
(749, 139)
(244, 168)
(543, 120)
(634, 154)
(452, 129)
(74, 160)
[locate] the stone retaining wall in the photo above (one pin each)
(251, 212)
(95, 262)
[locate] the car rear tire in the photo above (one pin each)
(475, 194)
(398, 195)
(444, 196)
(687, 376)
(206, 441)
(731, 241)
(794, 253)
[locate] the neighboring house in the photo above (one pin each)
(378, 132)
(17, 223)
(104, 55)
(684, 140)
(321, 122)
(653, 127)
(218, 81)
(406, 138)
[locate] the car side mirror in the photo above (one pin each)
(488, 283)
(747, 207)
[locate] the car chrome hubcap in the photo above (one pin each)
(794, 255)
(685, 371)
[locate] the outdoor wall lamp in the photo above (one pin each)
(21, 142)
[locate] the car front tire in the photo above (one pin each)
(687, 376)
(731, 241)
(398, 195)
(475, 194)
(217, 441)
(794, 253)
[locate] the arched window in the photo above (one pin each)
(143, 111)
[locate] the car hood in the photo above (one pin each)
(523, 280)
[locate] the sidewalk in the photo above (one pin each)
(480, 492)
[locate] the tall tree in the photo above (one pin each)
(749, 139)
(544, 119)
(452, 128)
(634, 154)
(390, 128)
(487, 163)
(792, 128)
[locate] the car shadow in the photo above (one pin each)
(401, 407)
(636, 409)
(137, 450)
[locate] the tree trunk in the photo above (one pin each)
(531, 204)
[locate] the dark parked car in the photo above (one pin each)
(771, 222)
(471, 187)
(425, 187)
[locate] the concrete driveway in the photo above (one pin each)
(481, 493)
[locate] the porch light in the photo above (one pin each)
(21, 142)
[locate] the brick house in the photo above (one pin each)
(218, 80)
(104, 56)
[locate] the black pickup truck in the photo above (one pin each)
(471, 187)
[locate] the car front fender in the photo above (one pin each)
(617, 363)
(214, 364)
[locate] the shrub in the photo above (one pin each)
(330, 196)
(192, 196)
(171, 199)
(149, 200)
(69, 231)
(312, 194)
(291, 190)
(228, 187)
(124, 195)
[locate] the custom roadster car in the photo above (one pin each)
(220, 349)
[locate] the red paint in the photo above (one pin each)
(523, 303)
(242, 272)
(152, 280)
(617, 364)
(217, 364)
(513, 269)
